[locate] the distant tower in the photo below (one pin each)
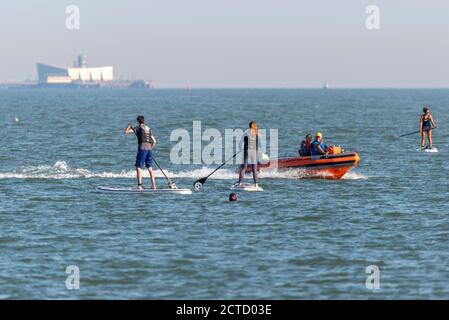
(82, 61)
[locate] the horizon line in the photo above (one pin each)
(28, 85)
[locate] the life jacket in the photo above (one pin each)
(306, 149)
(144, 134)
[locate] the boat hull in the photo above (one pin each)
(334, 166)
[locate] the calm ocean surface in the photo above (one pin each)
(299, 239)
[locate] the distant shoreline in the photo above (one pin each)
(122, 87)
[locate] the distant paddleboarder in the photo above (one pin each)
(250, 143)
(426, 124)
(144, 157)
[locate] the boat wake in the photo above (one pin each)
(61, 170)
(351, 175)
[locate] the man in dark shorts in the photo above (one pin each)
(144, 157)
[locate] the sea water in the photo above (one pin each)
(299, 239)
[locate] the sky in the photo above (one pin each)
(235, 43)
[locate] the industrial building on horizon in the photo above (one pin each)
(78, 75)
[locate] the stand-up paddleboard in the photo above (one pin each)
(431, 150)
(246, 187)
(144, 191)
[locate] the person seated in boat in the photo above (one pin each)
(318, 147)
(306, 146)
(426, 124)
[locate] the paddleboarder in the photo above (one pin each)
(250, 143)
(146, 142)
(426, 124)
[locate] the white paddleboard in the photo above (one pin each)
(246, 187)
(433, 150)
(144, 191)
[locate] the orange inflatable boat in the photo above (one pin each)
(334, 166)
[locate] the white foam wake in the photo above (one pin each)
(61, 170)
(351, 175)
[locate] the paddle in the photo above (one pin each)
(409, 134)
(198, 184)
(171, 184)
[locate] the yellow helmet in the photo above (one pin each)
(319, 134)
